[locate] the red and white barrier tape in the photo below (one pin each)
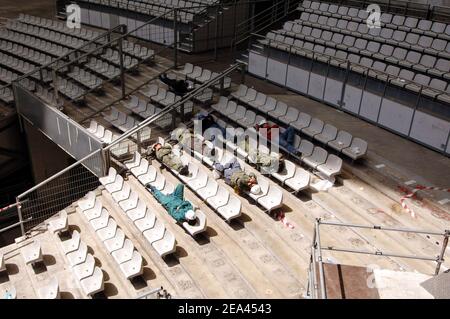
(413, 193)
(8, 207)
(281, 217)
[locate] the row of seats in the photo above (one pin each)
(202, 75)
(112, 236)
(143, 218)
(400, 22)
(85, 78)
(315, 128)
(410, 41)
(42, 45)
(47, 95)
(119, 150)
(113, 56)
(59, 26)
(358, 48)
(313, 156)
(25, 53)
(218, 197)
(270, 197)
(71, 90)
(416, 82)
(143, 109)
(164, 97)
(148, 174)
(129, 47)
(21, 66)
(103, 68)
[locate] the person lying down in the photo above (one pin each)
(165, 154)
(234, 176)
(180, 209)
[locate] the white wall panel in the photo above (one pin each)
(297, 79)
(316, 86)
(370, 106)
(395, 116)
(257, 64)
(430, 130)
(276, 71)
(352, 98)
(333, 91)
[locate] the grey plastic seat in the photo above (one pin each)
(288, 172)
(241, 91)
(239, 114)
(280, 110)
(299, 181)
(331, 167)
(269, 105)
(343, 140)
(314, 128)
(305, 148)
(357, 149)
(328, 134)
(318, 157)
(273, 199)
(301, 122)
(290, 116)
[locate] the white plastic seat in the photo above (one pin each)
(238, 114)
(166, 245)
(264, 184)
(331, 167)
(32, 253)
(328, 134)
(116, 242)
(357, 149)
(209, 190)
(188, 69)
(109, 231)
(138, 212)
(343, 140)
(61, 224)
(259, 101)
(305, 148)
(269, 105)
(299, 181)
(288, 172)
(241, 91)
(131, 202)
(291, 116)
(122, 194)
(280, 110)
(116, 185)
(200, 225)
(125, 253)
(78, 256)
(155, 233)
(94, 212)
(160, 181)
(199, 181)
(85, 269)
(249, 96)
(314, 128)
(318, 157)
(71, 244)
(132, 267)
(50, 291)
(232, 209)
(147, 222)
(134, 162)
(219, 199)
(149, 176)
(93, 284)
(273, 199)
(88, 201)
(101, 221)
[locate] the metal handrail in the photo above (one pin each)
(135, 129)
(317, 248)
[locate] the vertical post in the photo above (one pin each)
(122, 69)
(55, 86)
(441, 255)
(233, 41)
(175, 38)
(323, 291)
(242, 73)
(216, 32)
(139, 143)
(105, 161)
(19, 212)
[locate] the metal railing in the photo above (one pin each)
(317, 282)
(65, 187)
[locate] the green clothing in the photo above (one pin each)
(174, 203)
(165, 155)
(239, 179)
